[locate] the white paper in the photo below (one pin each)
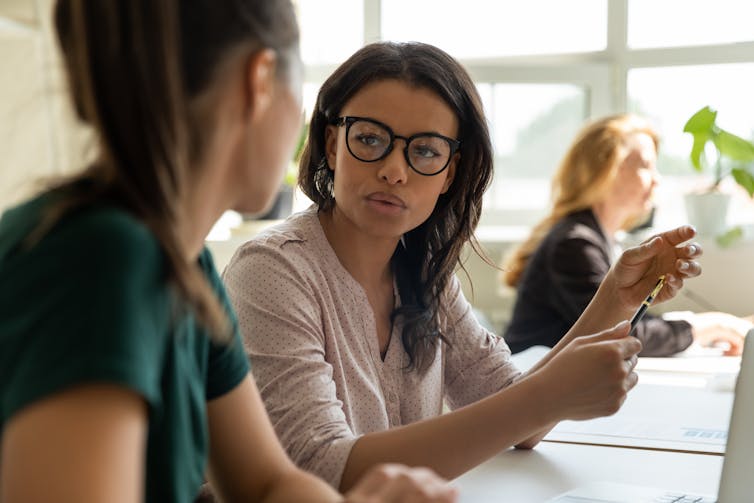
(658, 417)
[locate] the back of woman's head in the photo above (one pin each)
(583, 179)
(430, 252)
(135, 68)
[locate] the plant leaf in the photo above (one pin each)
(697, 150)
(729, 237)
(734, 146)
(701, 125)
(702, 121)
(745, 179)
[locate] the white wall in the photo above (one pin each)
(38, 135)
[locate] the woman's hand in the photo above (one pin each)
(591, 376)
(721, 329)
(633, 277)
(392, 483)
(638, 268)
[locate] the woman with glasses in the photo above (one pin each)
(604, 185)
(355, 325)
(122, 376)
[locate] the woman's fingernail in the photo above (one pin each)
(692, 249)
(683, 266)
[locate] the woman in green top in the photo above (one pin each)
(121, 373)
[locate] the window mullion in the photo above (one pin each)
(372, 21)
(617, 49)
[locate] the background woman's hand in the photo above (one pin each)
(638, 268)
(591, 376)
(721, 329)
(392, 483)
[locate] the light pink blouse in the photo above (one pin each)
(311, 337)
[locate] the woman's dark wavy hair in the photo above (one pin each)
(425, 261)
(134, 68)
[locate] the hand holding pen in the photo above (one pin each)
(639, 314)
(667, 254)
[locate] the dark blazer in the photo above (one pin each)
(562, 277)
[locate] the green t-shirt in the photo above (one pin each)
(89, 302)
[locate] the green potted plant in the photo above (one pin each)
(731, 156)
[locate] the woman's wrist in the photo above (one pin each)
(606, 308)
(543, 413)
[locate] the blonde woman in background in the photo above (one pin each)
(604, 185)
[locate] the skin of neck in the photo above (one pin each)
(366, 258)
(204, 203)
(610, 218)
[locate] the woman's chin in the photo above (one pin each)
(256, 204)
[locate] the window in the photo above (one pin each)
(674, 23)
(531, 127)
(487, 28)
(669, 96)
(325, 36)
(309, 98)
(545, 66)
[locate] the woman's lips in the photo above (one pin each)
(384, 197)
(385, 203)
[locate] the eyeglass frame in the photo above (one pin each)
(348, 120)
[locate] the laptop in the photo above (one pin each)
(737, 479)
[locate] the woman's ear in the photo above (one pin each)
(331, 146)
(451, 172)
(259, 81)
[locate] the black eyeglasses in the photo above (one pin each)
(369, 140)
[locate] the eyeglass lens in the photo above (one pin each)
(368, 141)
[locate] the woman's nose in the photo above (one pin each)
(394, 168)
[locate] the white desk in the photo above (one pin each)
(680, 404)
(552, 468)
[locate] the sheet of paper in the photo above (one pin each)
(697, 369)
(700, 364)
(658, 417)
(692, 361)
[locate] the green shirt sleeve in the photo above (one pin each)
(85, 304)
(228, 364)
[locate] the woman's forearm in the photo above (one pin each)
(532, 441)
(588, 378)
(602, 312)
(297, 485)
(455, 442)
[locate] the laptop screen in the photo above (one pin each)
(737, 482)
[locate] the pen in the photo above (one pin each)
(647, 302)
